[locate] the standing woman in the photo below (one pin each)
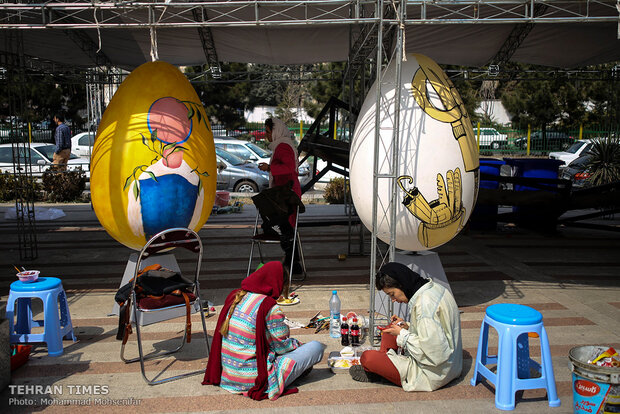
(282, 171)
(431, 342)
(252, 352)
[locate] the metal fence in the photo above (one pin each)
(490, 139)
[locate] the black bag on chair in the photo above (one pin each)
(278, 201)
(156, 287)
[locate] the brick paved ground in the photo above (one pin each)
(571, 276)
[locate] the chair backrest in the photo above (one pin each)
(170, 239)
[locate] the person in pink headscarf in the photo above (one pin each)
(283, 171)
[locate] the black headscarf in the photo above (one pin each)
(409, 280)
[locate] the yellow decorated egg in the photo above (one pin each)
(437, 172)
(153, 163)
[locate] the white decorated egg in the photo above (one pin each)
(437, 173)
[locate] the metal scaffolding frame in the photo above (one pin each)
(371, 17)
(95, 14)
(14, 76)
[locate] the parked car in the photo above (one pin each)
(491, 138)
(258, 135)
(576, 171)
(573, 152)
(238, 132)
(243, 149)
(556, 140)
(82, 144)
(237, 175)
(251, 152)
(41, 156)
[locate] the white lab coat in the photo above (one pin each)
(432, 344)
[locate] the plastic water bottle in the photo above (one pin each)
(334, 313)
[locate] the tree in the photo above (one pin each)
(44, 96)
(290, 101)
(321, 90)
(604, 97)
(541, 103)
(224, 102)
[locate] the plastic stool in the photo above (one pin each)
(513, 323)
(51, 293)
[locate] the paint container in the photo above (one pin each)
(596, 390)
(222, 198)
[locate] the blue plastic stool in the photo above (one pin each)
(51, 293)
(513, 323)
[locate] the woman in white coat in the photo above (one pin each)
(431, 342)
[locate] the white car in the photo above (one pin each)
(573, 152)
(251, 152)
(82, 144)
(41, 156)
(491, 138)
(243, 149)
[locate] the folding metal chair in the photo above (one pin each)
(164, 241)
(276, 240)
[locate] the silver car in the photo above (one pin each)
(237, 175)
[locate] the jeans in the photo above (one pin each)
(305, 356)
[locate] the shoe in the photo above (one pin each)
(266, 237)
(358, 373)
(305, 373)
(297, 269)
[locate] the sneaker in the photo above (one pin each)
(358, 373)
(267, 237)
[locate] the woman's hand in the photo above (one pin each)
(263, 166)
(395, 328)
(395, 319)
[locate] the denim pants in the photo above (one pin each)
(305, 356)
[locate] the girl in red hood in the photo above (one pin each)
(252, 351)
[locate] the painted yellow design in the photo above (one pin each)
(120, 148)
(453, 110)
(442, 218)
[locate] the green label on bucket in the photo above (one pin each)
(588, 396)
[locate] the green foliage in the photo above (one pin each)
(604, 167)
(224, 102)
(43, 97)
(8, 187)
(321, 90)
(469, 92)
(334, 191)
(61, 186)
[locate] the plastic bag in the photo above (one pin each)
(40, 213)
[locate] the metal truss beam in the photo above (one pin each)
(482, 74)
(516, 37)
(208, 45)
(128, 14)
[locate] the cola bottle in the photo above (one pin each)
(355, 333)
(344, 332)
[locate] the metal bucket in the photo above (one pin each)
(596, 390)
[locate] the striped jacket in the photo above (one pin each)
(239, 369)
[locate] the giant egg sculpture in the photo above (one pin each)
(437, 172)
(153, 163)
